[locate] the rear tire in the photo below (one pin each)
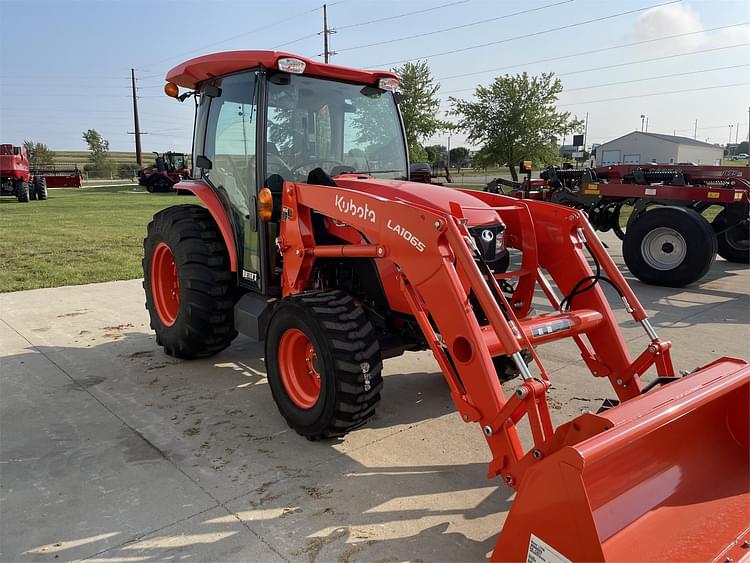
(40, 188)
(22, 191)
(733, 243)
(189, 286)
(323, 363)
(669, 246)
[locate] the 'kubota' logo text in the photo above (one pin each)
(351, 208)
(414, 241)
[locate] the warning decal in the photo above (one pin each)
(540, 552)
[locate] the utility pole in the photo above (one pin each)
(643, 120)
(737, 134)
(137, 126)
(647, 124)
(729, 142)
(327, 54)
(695, 132)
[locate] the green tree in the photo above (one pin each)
(419, 106)
(459, 157)
(39, 154)
(101, 165)
(515, 118)
(436, 155)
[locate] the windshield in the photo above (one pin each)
(339, 127)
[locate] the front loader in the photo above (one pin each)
(311, 238)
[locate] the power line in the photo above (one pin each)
(228, 39)
(462, 26)
(405, 14)
(527, 35)
(601, 50)
(656, 77)
(661, 76)
(656, 94)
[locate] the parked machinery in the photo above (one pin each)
(312, 239)
(16, 178)
(168, 169)
(672, 219)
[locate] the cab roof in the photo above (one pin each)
(194, 71)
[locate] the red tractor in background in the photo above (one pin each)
(311, 238)
(168, 169)
(673, 219)
(16, 178)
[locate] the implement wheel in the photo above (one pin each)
(734, 241)
(189, 287)
(323, 363)
(670, 246)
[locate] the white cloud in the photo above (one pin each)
(673, 19)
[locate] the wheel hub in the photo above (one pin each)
(299, 368)
(664, 249)
(165, 284)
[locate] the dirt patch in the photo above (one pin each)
(317, 492)
(73, 313)
(313, 546)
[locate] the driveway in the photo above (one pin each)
(112, 451)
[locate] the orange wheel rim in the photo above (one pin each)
(165, 285)
(298, 365)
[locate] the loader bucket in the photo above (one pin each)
(668, 480)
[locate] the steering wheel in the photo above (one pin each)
(316, 162)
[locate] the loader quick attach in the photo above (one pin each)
(356, 264)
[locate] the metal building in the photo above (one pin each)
(638, 147)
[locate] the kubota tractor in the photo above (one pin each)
(310, 237)
(168, 169)
(16, 178)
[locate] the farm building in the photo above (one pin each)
(638, 147)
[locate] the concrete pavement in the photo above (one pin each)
(112, 451)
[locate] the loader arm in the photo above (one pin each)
(439, 269)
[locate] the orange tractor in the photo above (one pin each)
(311, 237)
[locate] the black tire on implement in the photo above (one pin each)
(734, 242)
(40, 187)
(669, 246)
(346, 358)
(32, 188)
(22, 192)
(204, 323)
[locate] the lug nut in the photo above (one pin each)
(487, 430)
(746, 544)
(537, 454)
(508, 479)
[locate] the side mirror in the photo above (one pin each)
(203, 163)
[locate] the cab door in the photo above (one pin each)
(230, 146)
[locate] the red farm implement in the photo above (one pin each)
(16, 178)
(62, 176)
(313, 239)
(672, 219)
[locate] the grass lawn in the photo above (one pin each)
(77, 236)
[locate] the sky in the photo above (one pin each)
(675, 62)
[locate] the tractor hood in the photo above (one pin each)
(437, 198)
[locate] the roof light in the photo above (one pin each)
(288, 64)
(390, 84)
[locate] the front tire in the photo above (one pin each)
(669, 246)
(22, 191)
(40, 188)
(189, 287)
(323, 363)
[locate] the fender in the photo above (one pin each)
(207, 195)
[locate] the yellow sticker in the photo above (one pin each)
(591, 189)
(713, 195)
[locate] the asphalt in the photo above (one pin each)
(112, 451)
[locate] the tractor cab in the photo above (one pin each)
(273, 118)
